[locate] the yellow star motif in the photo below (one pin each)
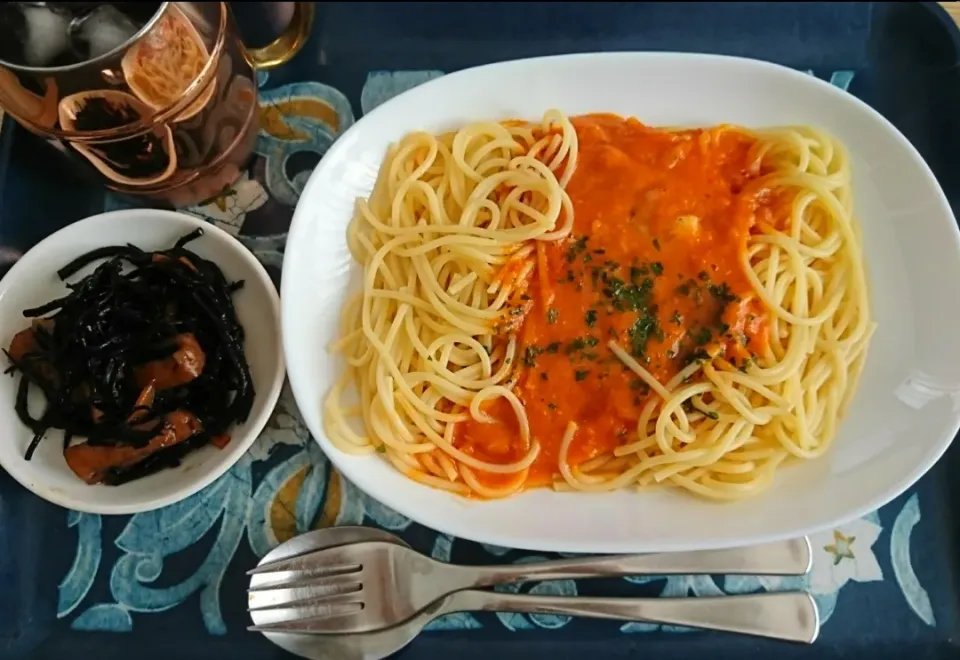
(841, 548)
(221, 199)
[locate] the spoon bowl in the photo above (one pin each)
(346, 647)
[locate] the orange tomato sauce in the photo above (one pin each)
(661, 224)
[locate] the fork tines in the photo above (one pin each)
(293, 589)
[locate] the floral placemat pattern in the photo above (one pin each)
(285, 486)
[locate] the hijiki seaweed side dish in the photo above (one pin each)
(143, 360)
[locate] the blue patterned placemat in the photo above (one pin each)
(285, 486)
(172, 581)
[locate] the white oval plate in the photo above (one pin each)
(33, 281)
(903, 417)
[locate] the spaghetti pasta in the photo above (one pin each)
(593, 304)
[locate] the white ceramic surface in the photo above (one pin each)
(33, 281)
(903, 417)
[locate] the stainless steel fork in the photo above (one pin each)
(368, 586)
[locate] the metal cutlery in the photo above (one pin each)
(790, 616)
(376, 584)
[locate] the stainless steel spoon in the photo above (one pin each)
(367, 586)
(791, 616)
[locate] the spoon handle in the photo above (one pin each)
(777, 558)
(790, 616)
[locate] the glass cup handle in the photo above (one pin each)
(283, 48)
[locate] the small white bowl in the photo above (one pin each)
(33, 281)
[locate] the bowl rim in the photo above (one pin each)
(196, 480)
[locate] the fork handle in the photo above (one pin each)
(791, 557)
(790, 616)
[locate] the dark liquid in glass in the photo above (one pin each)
(184, 63)
(55, 34)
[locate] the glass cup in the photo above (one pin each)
(152, 99)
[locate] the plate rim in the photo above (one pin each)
(349, 465)
(21, 269)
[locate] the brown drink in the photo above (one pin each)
(153, 99)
